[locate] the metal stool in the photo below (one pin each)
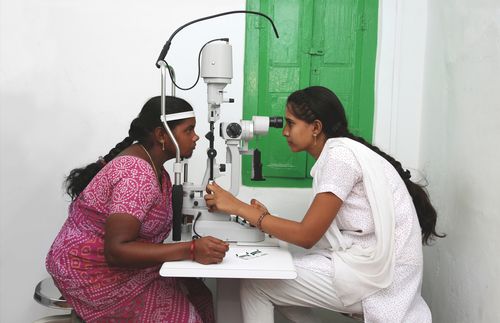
(47, 294)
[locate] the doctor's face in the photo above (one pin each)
(298, 133)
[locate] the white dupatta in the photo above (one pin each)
(360, 272)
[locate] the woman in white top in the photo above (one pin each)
(364, 229)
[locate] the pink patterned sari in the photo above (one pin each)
(101, 293)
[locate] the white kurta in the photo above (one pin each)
(338, 171)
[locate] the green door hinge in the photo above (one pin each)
(363, 24)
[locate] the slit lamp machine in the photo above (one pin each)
(187, 198)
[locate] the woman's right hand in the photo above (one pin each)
(210, 250)
(218, 199)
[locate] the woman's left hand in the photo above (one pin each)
(221, 200)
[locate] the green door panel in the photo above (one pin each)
(282, 68)
(322, 42)
(335, 33)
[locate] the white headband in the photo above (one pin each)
(179, 115)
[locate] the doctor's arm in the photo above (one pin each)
(305, 233)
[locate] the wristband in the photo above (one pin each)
(191, 249)
(259, 221)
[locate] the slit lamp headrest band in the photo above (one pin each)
(178, 115)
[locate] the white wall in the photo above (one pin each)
(399, 79)
(460, 154)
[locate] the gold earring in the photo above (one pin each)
(162, 145)
(314, 135)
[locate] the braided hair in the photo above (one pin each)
(319, 103)
(141, 131)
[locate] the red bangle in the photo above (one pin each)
(191, 249)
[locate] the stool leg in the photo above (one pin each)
(75, 318)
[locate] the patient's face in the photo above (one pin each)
(186, 137)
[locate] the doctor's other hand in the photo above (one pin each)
(210, 250)
(221, 200)
(258, 205)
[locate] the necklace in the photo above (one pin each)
(151, 159)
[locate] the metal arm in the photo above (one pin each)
(177, 191)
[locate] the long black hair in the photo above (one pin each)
(141, 131)
(319, 103)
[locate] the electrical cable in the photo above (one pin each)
(172, 78)
(166, 47)
(196, 235)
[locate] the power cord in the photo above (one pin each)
(196, 235)
(170, 73)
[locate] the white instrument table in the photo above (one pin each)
(267, 263)
(267, 260)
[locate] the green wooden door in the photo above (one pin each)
(322, 42)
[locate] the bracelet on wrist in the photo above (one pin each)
(261, 217)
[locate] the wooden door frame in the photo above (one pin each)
(251, 101)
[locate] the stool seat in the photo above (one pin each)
(47, 294)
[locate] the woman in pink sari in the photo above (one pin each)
(106, 258)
